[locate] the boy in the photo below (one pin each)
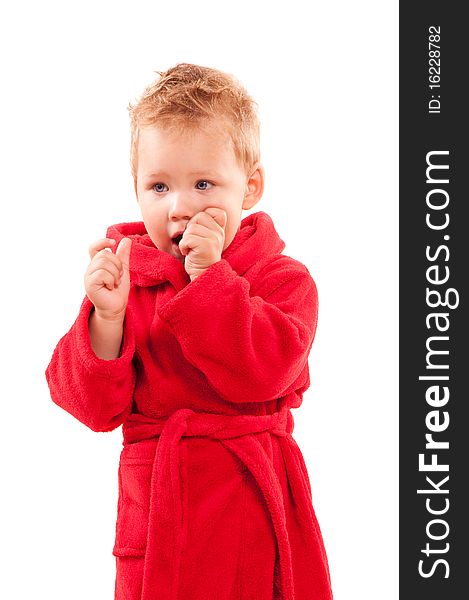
(194, 335)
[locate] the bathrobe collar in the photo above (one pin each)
(149, 266)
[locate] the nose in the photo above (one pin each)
(180, 207)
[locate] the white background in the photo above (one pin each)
(325, 77)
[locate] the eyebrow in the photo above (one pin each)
(207, 173)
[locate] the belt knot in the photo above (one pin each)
(186, 422)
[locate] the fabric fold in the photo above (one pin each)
(166, 526)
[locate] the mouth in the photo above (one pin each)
(175, 240)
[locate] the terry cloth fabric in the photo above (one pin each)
(214, 497)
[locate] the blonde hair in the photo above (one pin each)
(187, 96)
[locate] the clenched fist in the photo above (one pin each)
(107, 278)
(203, 239)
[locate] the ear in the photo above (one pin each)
(254, 187)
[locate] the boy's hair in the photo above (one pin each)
(187, 96)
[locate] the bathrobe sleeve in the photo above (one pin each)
(97, 392)
(249, 347)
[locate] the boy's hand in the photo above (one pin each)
(107, 278)
(203, 239)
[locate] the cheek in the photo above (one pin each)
(152, 212)
(230, 231)
(153, 222)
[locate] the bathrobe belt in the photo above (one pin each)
(166, 516)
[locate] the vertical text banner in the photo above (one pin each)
(434, 269)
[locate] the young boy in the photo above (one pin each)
(194, 336)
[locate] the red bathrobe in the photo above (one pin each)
(214, 496)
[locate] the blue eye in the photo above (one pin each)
(204, 181)
(157, 184)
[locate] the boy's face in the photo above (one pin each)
(180, 175)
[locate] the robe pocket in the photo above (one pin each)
(133, 506)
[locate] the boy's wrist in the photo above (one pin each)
(197, 275)
(106, 335)
(108, 319)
